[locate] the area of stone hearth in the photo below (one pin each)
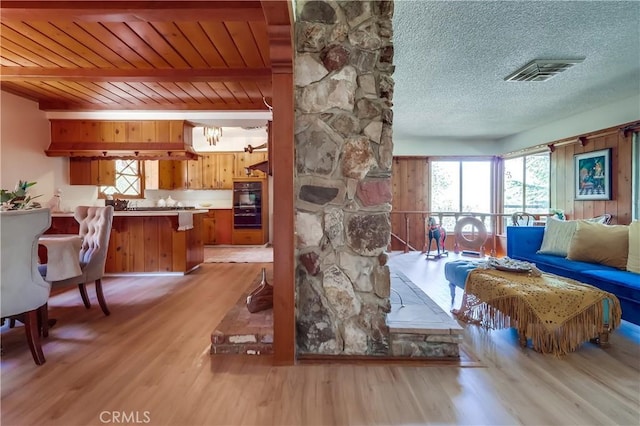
(418, 327)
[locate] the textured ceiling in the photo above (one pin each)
(451, 58)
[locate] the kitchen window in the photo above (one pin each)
(128, 181)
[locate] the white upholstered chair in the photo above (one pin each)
(95, 229)
(23, 292)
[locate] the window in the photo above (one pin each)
(526, 184)
(128, 180)
(460, 186)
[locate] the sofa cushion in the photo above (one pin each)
(598, 243)
(633, 261)
(561, 264)
(557, 236)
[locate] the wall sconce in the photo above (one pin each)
(212, 134)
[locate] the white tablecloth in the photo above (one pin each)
(63, 254)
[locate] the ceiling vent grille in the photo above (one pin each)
(542, 69)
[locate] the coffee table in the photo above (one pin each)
(556, 314)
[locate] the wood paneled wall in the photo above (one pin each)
(562, 176)
(411, 180)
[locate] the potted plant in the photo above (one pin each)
(18, 199)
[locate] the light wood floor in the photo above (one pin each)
(150, 359)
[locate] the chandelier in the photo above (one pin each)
(212, 134)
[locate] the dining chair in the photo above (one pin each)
(95, 229)
(24, 292)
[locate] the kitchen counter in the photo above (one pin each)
(137, 213)
(146, 242)
(229, 207)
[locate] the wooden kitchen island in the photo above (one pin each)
(146, 242)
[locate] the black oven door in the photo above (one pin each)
(247, 218)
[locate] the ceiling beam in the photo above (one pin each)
(131, 11)
(64, 106)
(134, 75)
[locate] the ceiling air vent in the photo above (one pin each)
(542, 69)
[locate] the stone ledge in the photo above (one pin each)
(426, 329)
(418, 327)
(401, 346)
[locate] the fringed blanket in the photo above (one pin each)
(557, 314)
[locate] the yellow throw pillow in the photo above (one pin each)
(599, 243)
(633, 261)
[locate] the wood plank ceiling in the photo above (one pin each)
(136, 55)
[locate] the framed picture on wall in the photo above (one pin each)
(593, 175)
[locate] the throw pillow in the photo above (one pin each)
(605, 218)
(633, 261)
(557, 236)
(598, 243)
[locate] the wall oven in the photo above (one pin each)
(247, 205)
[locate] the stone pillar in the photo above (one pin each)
(343, 143)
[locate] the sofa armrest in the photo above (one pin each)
(524, 241)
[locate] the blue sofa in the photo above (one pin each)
(524, 241)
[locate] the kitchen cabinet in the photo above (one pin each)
(218, 170)
(224, 226)
(150, 139)
(188, 174)
(151, 174)
(253, 238)
(146, 242)
(166, 174)
(209, 228)
(245, 159)
(216, 227)
(92, 131)
(172, 174)
(83, 171)
(209, 171)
